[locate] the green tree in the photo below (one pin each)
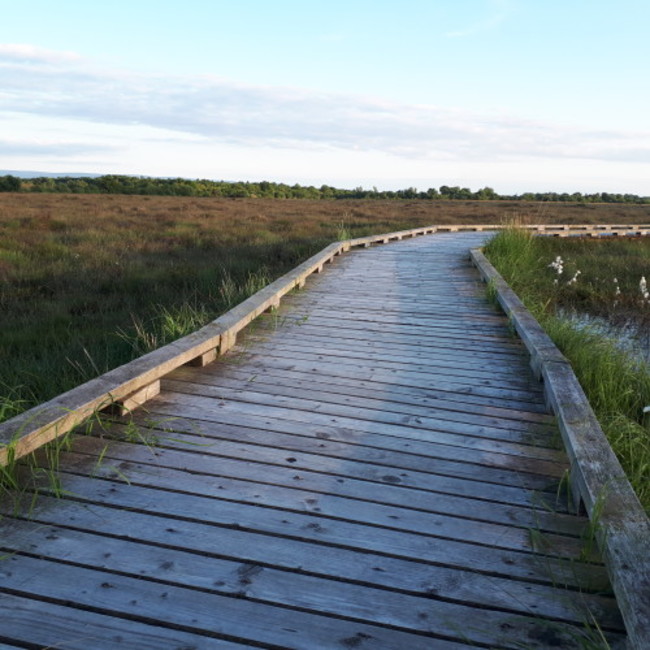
(9, 183)
(486, 194)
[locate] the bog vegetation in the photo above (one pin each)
(90, 281)
(607, 279)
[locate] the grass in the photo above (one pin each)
(21, 481)
(616, 382)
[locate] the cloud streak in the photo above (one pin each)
(52, 85)
(27, 147)
(31, 53)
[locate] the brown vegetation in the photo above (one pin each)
(299, 216)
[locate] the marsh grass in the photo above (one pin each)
(88, 282)
(22, 480)
(616, 382)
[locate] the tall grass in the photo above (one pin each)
(166, 324)
(616, 382)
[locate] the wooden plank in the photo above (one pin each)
(423, 335)
(189, 519)
(456, 460)
(431, 328)
(400, 290)
(406, 345)
(308, 331)
(422, 480)
(400, 396)
(622, 525)
(404, 293)
(463, 366)
(479, 314)
(379, 503)
(203, 407)
(440, 449)
(437, 380)
(304, 387)
(208, 613)
(440, 325)
(403, 381)
(371, 350)
(364, 483)
(443, 349)
(414, 322)
(136, 399)
(362, 410)
(28, 623)
(205, 565)
(209, 436)
(204, 359)
(315, 592)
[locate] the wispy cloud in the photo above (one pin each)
(31, 53)
(497, 12)
(62, 149)
(214, 110)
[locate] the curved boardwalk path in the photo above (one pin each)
(371, 467)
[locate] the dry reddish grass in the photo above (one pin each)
(301, 217)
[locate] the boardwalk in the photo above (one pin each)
(371, 467)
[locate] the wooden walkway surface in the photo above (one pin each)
(371, 467)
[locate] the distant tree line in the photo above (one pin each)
(117, 184)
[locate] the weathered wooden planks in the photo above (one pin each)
(362, 495)
(28, 621)
(206, 568)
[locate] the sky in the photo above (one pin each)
(517, 95)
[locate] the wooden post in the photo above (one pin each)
(135, 399)
(204, 359)
(273, 306)
(228, 340)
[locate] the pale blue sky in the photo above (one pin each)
(515, 94)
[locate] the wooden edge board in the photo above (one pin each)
(597, 478)
(598, 229)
